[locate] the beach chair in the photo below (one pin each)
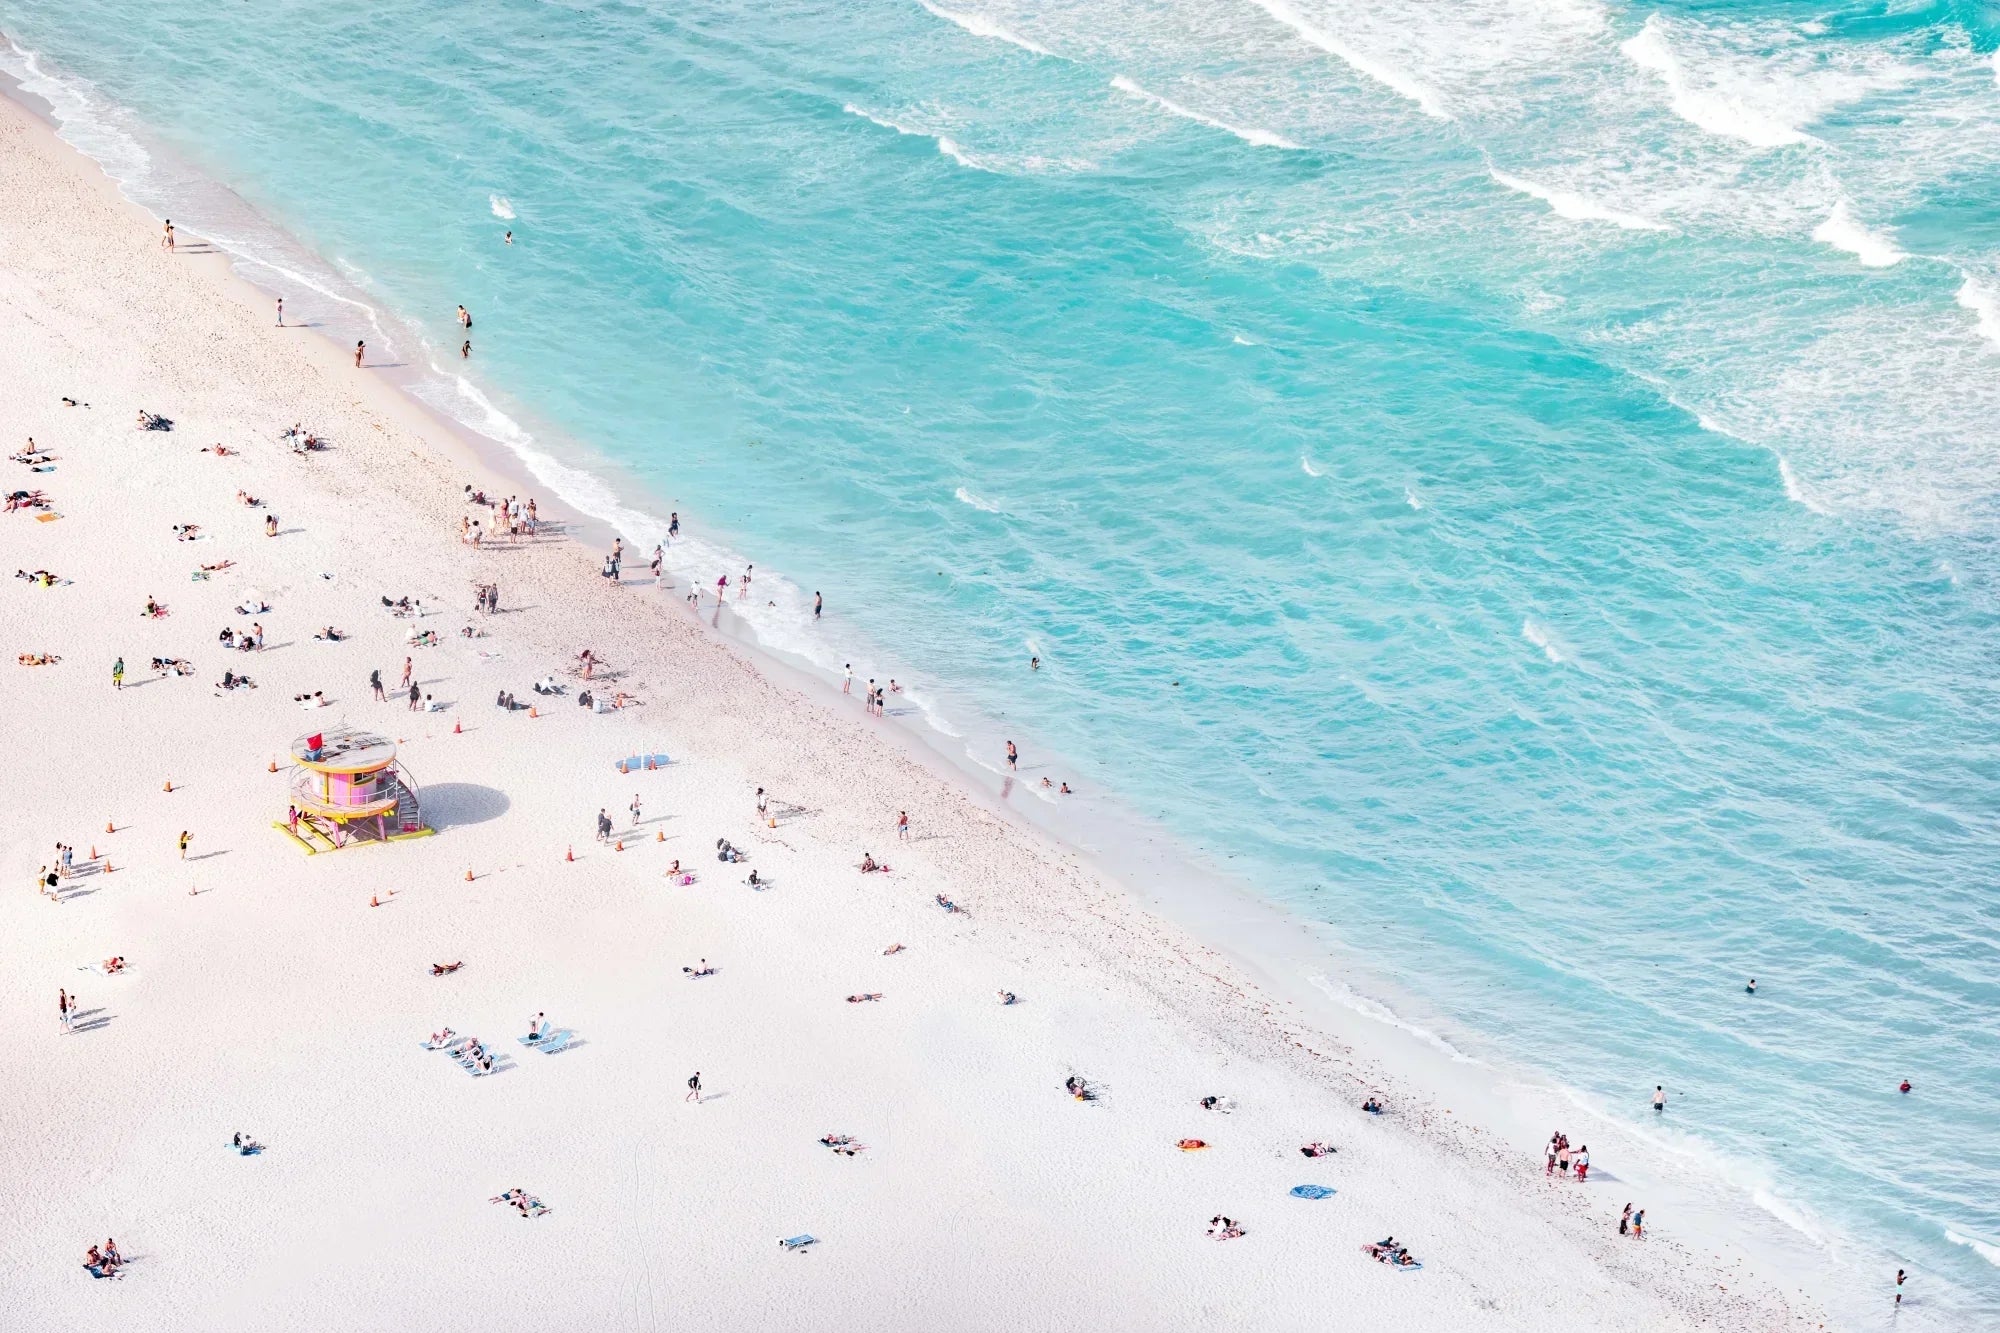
(791, 1243)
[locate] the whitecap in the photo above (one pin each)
(965, 497)
(1261, 138)
(985, 27)
(1242, 341)
(883, 121)
(1842, 232)
(502, 206)
(1576, 207)
(1985, 307)
(1411, 498)
(1387, 75)
(947, 146)
(1795, 492)
(1986, 1250)
(1705, 109)
(950, 148)
(1540, 637)
(1307, 464)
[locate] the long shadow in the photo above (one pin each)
(93, 1024)
(208, 856)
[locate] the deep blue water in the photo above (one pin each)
(1518, 475)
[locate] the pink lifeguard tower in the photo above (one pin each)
(348, 787)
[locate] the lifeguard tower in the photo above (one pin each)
(347, 787)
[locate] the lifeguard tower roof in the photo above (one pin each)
(344, 750)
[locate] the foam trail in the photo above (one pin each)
(1842, 232)
(985, 27)
(1985, 306)
(1261, 138)
(1388, 76)
(1576, 207)
(946, 146)
(965, 497)
(1713, 112)
(1794, 491)
(1984, 1249)
(1538, 636)
(1307, 464)
(1347, 998)
(502, 206)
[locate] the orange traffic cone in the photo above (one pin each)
(169, 785)
(374, 901)
(772, 822)
(468, 877)
(458, 728)
(659, 835)
(649, 763)
(274, 766)
(622, 768)
(532, 712)
(93, 851)
(109, 827)
(618, 846)
(569, 854)
(107, 867)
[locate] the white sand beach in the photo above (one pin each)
(264, 994)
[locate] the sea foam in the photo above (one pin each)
(1388, 76)
(502, 206)
(1985, 307)
(1842, 232)
(985, 27)
(1579, 208)
(1705, 108)
(1261, 138)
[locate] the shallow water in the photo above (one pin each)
(1517, 477)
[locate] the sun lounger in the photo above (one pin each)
(797, 1242)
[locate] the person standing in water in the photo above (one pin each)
(818, 605)
(464, 319)
(1013, 756)
(1659, 1097)
(1752, 987)
(509, 238)
(465, 350)
(1900, 1276)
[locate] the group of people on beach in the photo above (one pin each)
(1561, 1159)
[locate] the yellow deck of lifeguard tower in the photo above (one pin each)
(350, 790)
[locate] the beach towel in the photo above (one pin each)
(797, 1242)
(1312, 1191)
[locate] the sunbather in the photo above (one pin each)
(445, 969)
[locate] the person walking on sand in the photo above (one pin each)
(1659, 1097)
(185, 836)
(65, 1008)
(763, 804)
(416, 698)
(118, 674)
(375, 684)
(167, 235)
(1625, 1221)
(694, 1088)
(902, 826)
(603, 826)
(635, 809)
(359, 348)
(847, 679)
(406, 675)
(281, 312)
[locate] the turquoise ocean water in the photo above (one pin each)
(1552, 444)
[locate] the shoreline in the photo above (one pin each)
(414, 419)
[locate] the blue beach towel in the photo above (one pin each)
(797, 1242)
(1312, 1191)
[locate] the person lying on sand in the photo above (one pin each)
(231, 681)
(330, 635)
(249, 500)
(217, 568)
(41, 578)
(178, 665)
(1007, 997)
(186, 532)
(894, 948)
(153, 421)
(858, 999)
(446, 969)
(439, 1039)
(1317, 1149)
(244, 1144)
(1191, 1145)
(114, 964)
(1388, 1252)
(26, 500)
(946, 903)
(701, 969)
(37, 659)
(1224, 1228)
(843, 1144)
(219, 450)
